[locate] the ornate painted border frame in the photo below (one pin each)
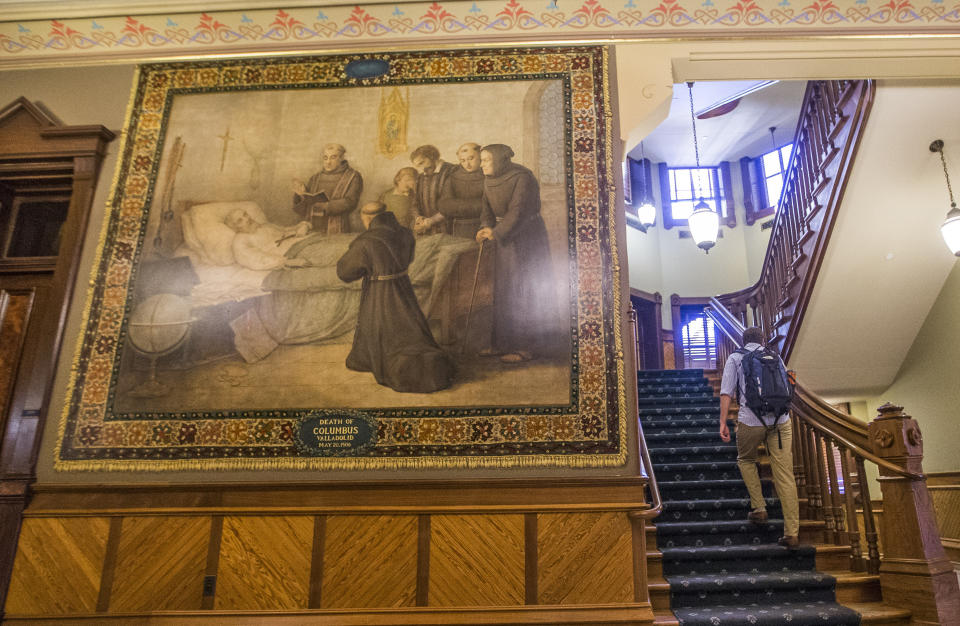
(266, 31)
(590, 432)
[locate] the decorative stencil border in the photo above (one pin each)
(589, 433)
(346, 25)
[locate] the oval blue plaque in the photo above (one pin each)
(367, 68)
(335, 434)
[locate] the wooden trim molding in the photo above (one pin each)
(657, 300)
(506, 495)
(423, 560)
(634, 614)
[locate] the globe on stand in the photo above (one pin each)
(158, 326)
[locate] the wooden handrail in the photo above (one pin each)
(656, 502)
(837, 425)
(832, 119)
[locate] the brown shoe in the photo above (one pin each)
(789, 541)
(757, 517)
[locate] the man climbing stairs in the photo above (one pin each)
(717, 567)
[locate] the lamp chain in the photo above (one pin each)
(693, 122)
(943, 160)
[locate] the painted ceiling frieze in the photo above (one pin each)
(348, 25)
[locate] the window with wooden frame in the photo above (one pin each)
(682, 187)
(763, 181)
(33, 211)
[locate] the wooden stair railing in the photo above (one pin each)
(832, 119)
(914, 569)
(639, 517)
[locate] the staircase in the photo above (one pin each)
(707, 562)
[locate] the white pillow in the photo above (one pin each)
(205, 232)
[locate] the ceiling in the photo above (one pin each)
(742, 132)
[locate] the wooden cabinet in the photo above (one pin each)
(48, 173)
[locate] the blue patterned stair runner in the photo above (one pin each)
(722, 569)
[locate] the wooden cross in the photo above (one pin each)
(226, 138)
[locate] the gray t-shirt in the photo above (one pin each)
(732, 385)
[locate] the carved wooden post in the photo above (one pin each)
(914, 570)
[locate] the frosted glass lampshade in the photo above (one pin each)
(647, 214)
(704, 225)
(950, 229)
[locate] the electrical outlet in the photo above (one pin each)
(209, 585)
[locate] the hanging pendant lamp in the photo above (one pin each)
(704, 222)
(950, 229)
(646, 212)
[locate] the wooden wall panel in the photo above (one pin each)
(476, 560)
(370, 561)
(58, 566)
(265, 562)
(946, 502)
(160, 564)
(584, 558)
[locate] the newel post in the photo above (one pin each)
(914, 570)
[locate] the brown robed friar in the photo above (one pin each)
(510, 216)
(393, 340)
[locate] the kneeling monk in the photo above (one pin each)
(392, 339)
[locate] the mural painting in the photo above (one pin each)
(357, 262)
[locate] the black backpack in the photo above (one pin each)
(767, 389)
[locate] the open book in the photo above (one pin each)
(318, 196)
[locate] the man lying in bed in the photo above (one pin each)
(259, 246)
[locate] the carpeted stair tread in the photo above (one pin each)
(693, 436)
(692, 489)
(650, 411)
(686, 373)
(717, 527)
(690, 400)
(769, 615)
(697, 466)
(773, 580)
(677, 421)
(698, 471)
(687, 450)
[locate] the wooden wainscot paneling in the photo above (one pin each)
(160, 564)
(265, 562)
(58, 566)
(369, 561)
(476, 560)
(584, 558)
(945, 492)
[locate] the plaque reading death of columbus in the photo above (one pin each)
(335, 434)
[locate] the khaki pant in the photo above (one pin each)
(781, 462)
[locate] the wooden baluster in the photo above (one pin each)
(790, 220)
(820, 124)
(813, 478)
(798, 470)
(808, 174)
(811, 124)
(869, 525)
(830, 460)
(826, 510)
(853, 530)
(835, 93)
